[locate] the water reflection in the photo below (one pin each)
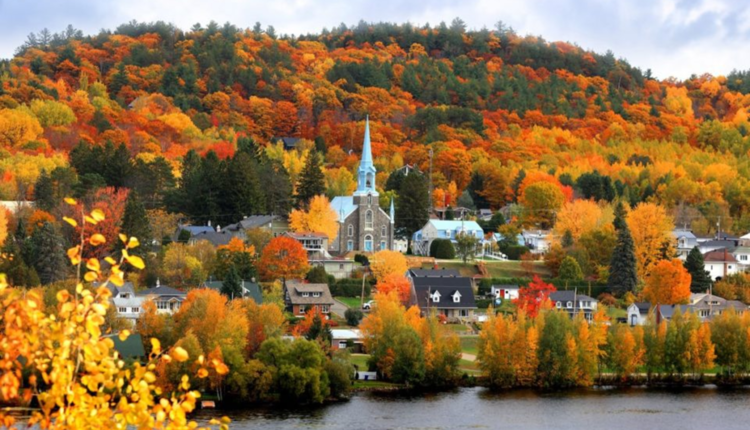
(694, 408)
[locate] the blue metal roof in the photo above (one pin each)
(344, 206)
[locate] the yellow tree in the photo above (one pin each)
(17, 127)
(386, 262)
(579, 217)
(319, 218)
(668, 283)
(651, 229)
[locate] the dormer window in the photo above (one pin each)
(436, 297)
(456, 297)
(125, 296)
(569, 304)
(305, 294)
(316, 294)
(558, 305)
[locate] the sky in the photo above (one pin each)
(673, 38)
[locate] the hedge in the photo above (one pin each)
(351, 287)
(442, 249)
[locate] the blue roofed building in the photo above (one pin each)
(441, 229)
(363, 225)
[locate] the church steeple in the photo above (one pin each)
(366, 171)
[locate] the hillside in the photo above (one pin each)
(499, 110)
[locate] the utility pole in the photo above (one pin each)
(430, 185)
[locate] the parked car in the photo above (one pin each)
(368, 305)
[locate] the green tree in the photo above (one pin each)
(700, 279)
(623, 275)
(44, 192)
(466, 246)
(244, 187)
(412, 205)
(570, 270)
(557, 365)
(442, 249)
(567, 239)
(135, 223)
(311, 182)
(48, 254)
(317, 275)
(353, 317)
(232, 285)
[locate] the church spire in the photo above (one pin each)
(366, 171)
(393, 212)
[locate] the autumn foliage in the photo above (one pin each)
(668, 283)
(284, 258)
(534, 297)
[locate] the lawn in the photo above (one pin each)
(375, 384)
(469, 344)
(496, 269)
(469, 367)
(458, 328)
(352, 302)
(359, 360)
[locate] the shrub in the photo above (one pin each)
(350, 287)
(361, 259)
(514, 252)
(353, 317)
(442, 249)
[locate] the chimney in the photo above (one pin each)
(218, 228)
(209, 223)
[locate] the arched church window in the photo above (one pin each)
(368, 220)
(382, 231)
(350, 230)
(369, 199)
(368, 180)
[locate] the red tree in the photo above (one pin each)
(534, 297)
(283, 257)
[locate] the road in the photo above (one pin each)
(338, 308)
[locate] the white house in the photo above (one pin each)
(720, 263)
(685, 241)
(638, 313)
(538, 241)
(125, 301)
(742, 255)
(441, 229)
(504, 292)
(574, 303)
(340, 338)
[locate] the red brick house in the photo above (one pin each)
(300, 298)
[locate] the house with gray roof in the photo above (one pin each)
(452, 296)
(167, 299)
(300, 298)
(215, 238)
(124, 299)
(275, 224)
(685, 241)
(250, 289)
(638, 313)
(706, 306)
(440, 229)
(289, 143)
(574, 303)
(432, 273)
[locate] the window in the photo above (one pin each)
(382, 245)
(122, 310)
(349, 245)
(301, 309)
(464, 312)
(341, 267)
(569, 304)
(369, 199)
(162, 305)
(456, 298)
(368, 243)
(350, 230)
(305, 294)
(368, 220)
(325, 309)
(316, 294)
(125, 295)
(558, 305)
(729, 267)
(436, 297)
(342, 344)
(368, 180)
(743, 257)
(382, 231)
(136, 310)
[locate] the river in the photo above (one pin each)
(477, 408)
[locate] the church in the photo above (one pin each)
(363, 225)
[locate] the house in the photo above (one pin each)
(638, 313)
(706, 306)
(459, 212)
(192, 229)
(440, 229)
(275, 224)
(250, 289)
(363, 224)
(504, 291)
(452, 296)
(131, 348)
(289, 143)
(744, 240)
(538, 241)
(347, 338)
(742, 255)
(715, 245)
(125, 301)
(432, 273)
(574, 303)
(720, 263)
(216, 238)
(300, 298)
(339, 268)
(168, 300)
(485, 214)
(401, 245)
(685, 241)
(316, 244)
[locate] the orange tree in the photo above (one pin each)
(668, 283)
(283, 258)
(386, 262)
(65, 360)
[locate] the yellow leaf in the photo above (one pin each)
(180, 354)
(110, 260)
(97, 239)
(90, 220)
(69, 200)
(155, 345)
(99, 308)
(202, 373)
(97, 214)
(133, 243)
(70, 221)
(93, 264)
(90, 276)
(116, 279)
(123, 238)
(124, 335)
(62, 296)
(136, 262)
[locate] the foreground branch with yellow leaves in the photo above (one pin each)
(74, 372)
